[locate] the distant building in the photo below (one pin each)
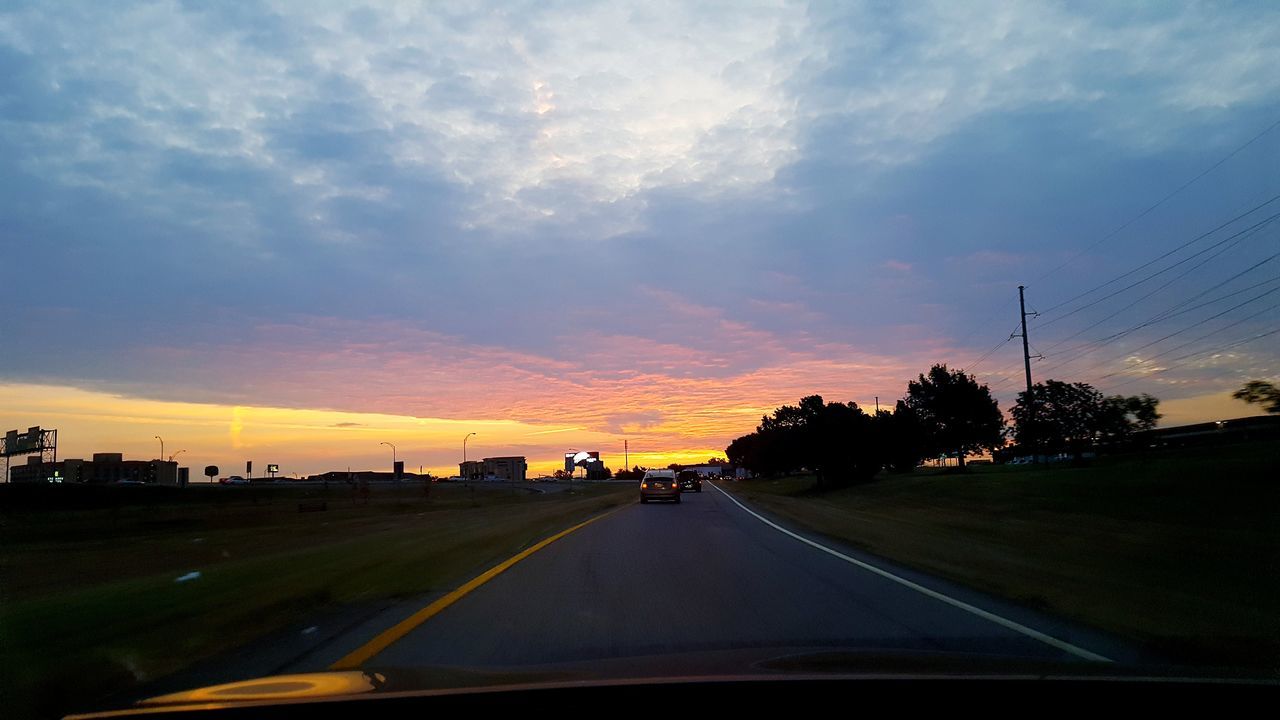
(343, 476)
(595, 469)
(711, 470)
(511, 468)
(103, 469)
(471, 470)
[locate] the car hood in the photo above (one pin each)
(735, 665)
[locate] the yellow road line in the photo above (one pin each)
(362, 654)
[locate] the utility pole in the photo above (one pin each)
(626, 456)
(877, 405)
(1026, 352)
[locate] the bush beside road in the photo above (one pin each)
(1178, 550)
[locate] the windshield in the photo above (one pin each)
(344, 337)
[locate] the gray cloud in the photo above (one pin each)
(524, 177)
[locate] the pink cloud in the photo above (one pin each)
(667, 394)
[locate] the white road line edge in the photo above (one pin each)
(1004, 622)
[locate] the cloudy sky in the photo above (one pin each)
(290, 231)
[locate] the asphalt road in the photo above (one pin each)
(703, 578)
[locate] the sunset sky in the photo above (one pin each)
(288, 232)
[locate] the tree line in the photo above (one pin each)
(944, 413)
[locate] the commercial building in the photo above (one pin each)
(349, 476)
(512, 468)
(589, 461)
(471, 470)
(104, 468)
(713, 470)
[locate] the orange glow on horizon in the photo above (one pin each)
(693, 420)
(300, 440)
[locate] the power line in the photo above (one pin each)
(1180, 360)
(1090, 347)
(1227, 347)
(1204, 292)
(1167, 283)
(1158, 272)
(1196, 340)
(1161, 201)
(980, 328)
(1139, 216)
(969, 368)
(1107, 362)
(1005, 375)
(1208, 319)
(1211, 317)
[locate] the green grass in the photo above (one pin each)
(91, 605)
(1179, 550)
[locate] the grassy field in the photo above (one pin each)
(90, 604)
(1178, 550)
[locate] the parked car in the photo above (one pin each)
(659, 485)
(233, 480)
(689, 480)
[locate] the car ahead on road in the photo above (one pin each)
(234, 480)
(659, 485)
(689, 480)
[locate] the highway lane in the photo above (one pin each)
(669, 580)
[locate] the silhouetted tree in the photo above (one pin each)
(1073, 416)
(836, 441)
(1122, 416)
(1260, 392)
(1064, 416)
(957, 416)
(634, 473)
(900, 437)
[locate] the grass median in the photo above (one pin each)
(1177, 550)
(92, 603)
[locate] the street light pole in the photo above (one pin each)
(161, 446)
(464, 467)
(464, 446)
(171, 457)
(393, 459)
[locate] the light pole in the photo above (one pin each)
(161, 446)
(393, 458)
(467, 477)
(464, 454)
(171, 457)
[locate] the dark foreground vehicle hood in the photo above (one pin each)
(794, 677)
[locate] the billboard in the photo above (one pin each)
(31, 441)
(28, 442)
(582, 458)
